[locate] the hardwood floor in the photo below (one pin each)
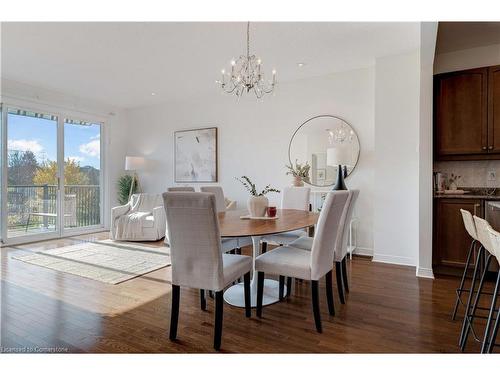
(388, 310)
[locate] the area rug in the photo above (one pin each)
(106, 261)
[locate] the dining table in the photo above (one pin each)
(236, 224)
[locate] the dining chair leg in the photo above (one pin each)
(344, 274)
(462, 281)
(219, 307)
(340, 286)
(288, 286)
(485, 347)
(174, 313)
(469, 323)
(471, 293)
(315, 304)
(281, 287)
(329, 293)
(248, 302)
(203, 301)
(211, 294)
(263, 247)
(260, 292)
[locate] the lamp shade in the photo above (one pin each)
(134, 163)
(338, 156)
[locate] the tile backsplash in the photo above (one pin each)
(474, 173)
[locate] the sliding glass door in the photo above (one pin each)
(52, 175)
(32, 170)
(82, 174)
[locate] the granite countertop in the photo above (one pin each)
(473, 193)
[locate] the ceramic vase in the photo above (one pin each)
(257, 205)
(297, 181)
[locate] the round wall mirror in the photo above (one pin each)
(324, 142)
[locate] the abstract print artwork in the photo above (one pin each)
(196, 155)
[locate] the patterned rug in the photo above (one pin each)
(106, 261)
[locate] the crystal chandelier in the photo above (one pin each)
(246, 75)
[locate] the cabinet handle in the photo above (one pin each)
(485, 148)
(475, 208)
(490, 148)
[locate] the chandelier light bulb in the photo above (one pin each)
(233, 62)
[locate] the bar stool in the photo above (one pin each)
(487, 250)
(489, 341)
(470, 227)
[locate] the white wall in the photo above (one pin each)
(428, 34)
(114, 130)
(254, 135)
(396, 183)
(467, 59)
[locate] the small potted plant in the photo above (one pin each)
(257, 202)
(299, 172)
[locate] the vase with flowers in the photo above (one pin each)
(300, 173)
(257, 202)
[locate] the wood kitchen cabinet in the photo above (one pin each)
(461, 113)
(451, 240)
(494, 107)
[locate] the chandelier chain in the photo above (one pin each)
(248, 39)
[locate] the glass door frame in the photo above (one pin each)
(61, 115)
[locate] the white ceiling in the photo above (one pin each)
(121, 64)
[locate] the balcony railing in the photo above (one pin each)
(32, 206)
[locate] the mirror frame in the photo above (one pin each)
(305, 123)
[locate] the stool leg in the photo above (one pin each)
(485, 347)
(471, 292)
(476, 303)
(462, 282)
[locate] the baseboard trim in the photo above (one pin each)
(426, 273)
(392, 259)
(363, 251)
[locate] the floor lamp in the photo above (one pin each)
(134, 164)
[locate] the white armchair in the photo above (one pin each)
(141, 219)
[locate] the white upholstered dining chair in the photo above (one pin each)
(293, 198)
(309, 264)
(340, 248)
(196, 254)
(234, 244)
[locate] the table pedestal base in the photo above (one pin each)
(235, 295)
